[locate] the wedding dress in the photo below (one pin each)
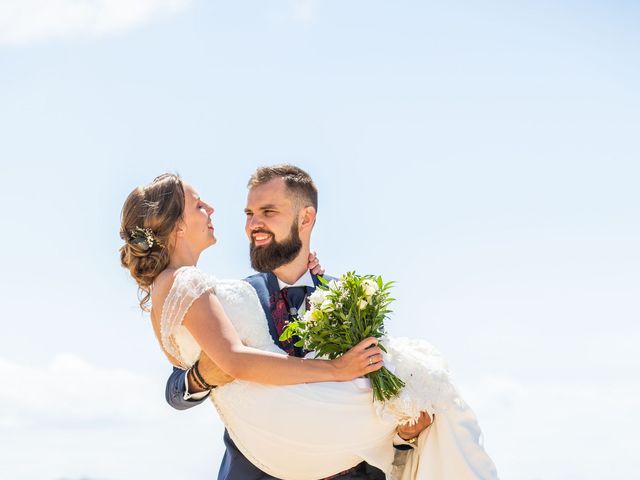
(337, 423)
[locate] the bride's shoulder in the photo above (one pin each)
(164, 281)
(161, 285)
(178, 278)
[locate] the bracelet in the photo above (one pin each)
(194, 379)
(199, 379)
(412, 440)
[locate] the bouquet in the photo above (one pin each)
(343, 312)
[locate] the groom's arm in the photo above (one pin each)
(177, 392)
(188, 388)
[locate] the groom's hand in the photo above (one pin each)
(407, 432)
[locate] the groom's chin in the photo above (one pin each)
(257, 256)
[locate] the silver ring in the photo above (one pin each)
(370, 362)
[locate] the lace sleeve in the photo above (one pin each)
(189, 284)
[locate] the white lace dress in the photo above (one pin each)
(311, 431)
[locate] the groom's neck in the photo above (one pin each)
(292, 271)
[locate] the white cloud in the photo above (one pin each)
(555, 430)
(28, 21)
(72, 420)
(72, 392)
(543, 429)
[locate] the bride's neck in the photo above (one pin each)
(183, 257)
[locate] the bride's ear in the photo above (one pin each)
(180, 230)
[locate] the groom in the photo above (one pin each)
(281, 211)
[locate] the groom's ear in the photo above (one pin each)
(307, 218)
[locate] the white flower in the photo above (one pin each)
(308, 317)
(327, 305)
(336, 285)
(318, 297)
(362, 304)
(370, 287)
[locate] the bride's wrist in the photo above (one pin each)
(336, 370)
(196, 380)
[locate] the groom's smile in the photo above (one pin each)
(261, 238)
(272, 226)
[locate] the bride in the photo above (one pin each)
(166, 226)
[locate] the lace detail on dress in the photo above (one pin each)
(428, 385)
(189, 284)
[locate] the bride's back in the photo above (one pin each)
(159, 292)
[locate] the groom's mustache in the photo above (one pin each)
(273, 254)
(260, 230)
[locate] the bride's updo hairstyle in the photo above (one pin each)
(149, 217)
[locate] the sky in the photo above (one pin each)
(484, 155)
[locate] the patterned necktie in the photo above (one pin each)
(295, 297)
(284, 306)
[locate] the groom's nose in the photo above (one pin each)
(255, 222)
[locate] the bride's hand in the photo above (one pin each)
(363, 358)
(314, 264)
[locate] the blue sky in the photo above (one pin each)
(484, 156)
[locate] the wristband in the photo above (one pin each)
(199, 379)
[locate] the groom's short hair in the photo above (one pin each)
(298, 182)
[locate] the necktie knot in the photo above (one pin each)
(295, 296)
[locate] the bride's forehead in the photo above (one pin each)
(190, 193)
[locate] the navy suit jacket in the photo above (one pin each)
(234, 465)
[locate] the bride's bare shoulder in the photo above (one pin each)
(161, 287)
(162, 284)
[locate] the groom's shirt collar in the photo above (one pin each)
(305, 280)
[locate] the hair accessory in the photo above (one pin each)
(144, 237)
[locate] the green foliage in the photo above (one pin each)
(343, 313)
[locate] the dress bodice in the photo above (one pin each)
(240, 304)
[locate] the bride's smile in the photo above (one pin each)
(197, 229)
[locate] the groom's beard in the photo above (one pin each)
(269, 257)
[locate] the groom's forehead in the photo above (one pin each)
(271, 194)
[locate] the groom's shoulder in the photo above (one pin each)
(261, 280)
(261, 277)
(258, 280)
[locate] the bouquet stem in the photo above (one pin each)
(385, 384)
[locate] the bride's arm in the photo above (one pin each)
(214, 332)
